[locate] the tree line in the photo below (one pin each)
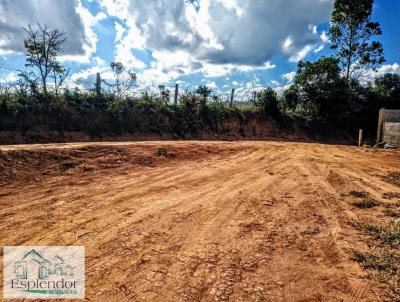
(327, 92)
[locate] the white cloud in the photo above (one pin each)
(212, 85)
(69, 16)
(302, 53)
(9, 77)
(388, 68)
(289, 77)
(217, 38)
(124, 41)
(263, 31)
(319, 49)
(116, 8)
(324, 37)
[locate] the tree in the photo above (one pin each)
(387, 88)
(267, 99)
(352, 34)
(165, 93)
(322, 90)
(42, 46)
(59, 75)
(291, 98)
(124, 79)
(204, 92)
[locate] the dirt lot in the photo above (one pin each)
(201, 221)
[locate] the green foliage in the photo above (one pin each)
(359, 194)
(366, 203)
(352, 34)
(393, 178)
(323, 93)
(124, 78)
(291, 98)
(267, 100)
(42, 49)
(391, 195)
(204, 91)
(387, 89)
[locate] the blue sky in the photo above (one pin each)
(242, 44)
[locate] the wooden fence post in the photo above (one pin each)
(176, 94)
(232, 94)
(360, 137)
(98, 84)
(380, 125)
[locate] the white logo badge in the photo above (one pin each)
(44, 272)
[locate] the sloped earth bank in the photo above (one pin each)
(200, 221)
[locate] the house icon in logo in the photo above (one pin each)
(33, 265)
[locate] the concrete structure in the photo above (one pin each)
(389, 126)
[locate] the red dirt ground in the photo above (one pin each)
(199, 221)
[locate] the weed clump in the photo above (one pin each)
(66, 165)
(391, 195)
(388, 234)
(392, 213)
(383, 260)
(366, 203)
(392, 178)
(359, 194)
(161, 152)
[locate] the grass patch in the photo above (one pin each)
(390, 234)
(161, 152)
(391, 195)
(68, 164)
(366, 203)
(393, 178)
(364, 227)
(359, 194)
(392, 213)
(383, 260)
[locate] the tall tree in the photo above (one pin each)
(124, 79)
(321, 90)
(352, 35)
(42, 46)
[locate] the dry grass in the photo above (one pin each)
(359, 194)
(393, 178)
(388, 234)
(391, 195)
(392, 213)
(366, 203)
(383, 259)
(384, 265)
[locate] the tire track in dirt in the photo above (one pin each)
(266, 223)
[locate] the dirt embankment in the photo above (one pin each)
(19, 164)
(246, 128)
(211, 221)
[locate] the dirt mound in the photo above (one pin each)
(32, 165)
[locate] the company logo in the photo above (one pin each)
(44, 272)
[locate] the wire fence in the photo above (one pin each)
(237, 94)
